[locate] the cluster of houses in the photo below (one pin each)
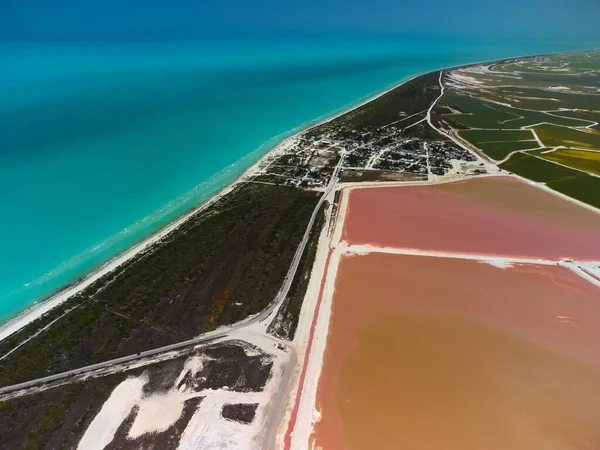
(309, 164)
(311, 161)
(441, 154)
(390, 149)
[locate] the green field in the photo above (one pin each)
(571, 63)
(478, 113)
(500, 150)
(534, 117)
(585, 114)
(485, 114)
(492, 136)
(554, 136)
(516, 68)
(585, 188)
(541, 100)
(503, 106)
(593, 116)
(536, 169)
(578, 159)
(573, 183)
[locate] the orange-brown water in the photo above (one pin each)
(435, 353)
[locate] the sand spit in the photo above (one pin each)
(499, 264)
(298, 411)
(483, 216)
(303, 413)
(494, 260)
(408, 362)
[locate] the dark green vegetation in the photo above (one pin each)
(154, 441)
(219, 267)
(554, 136)
(285, 324)
(500, 150)
(575, 184)
(588, 161)
(544, 100)
(491, 136)
(495, 105)
(476, 113)
(582, 186)
(592, 116)
(536, 169)
(487, 115)
(424, 131)
(412, 97)
(239, 412)
(58, 417)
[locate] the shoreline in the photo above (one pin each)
(40, 308)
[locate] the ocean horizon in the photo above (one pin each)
(104, 143)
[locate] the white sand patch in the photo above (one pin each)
(501, 264)
(114, 411)
(464, 79)
(207, 430)
(104, 371)
(264, 431)
(157, 413)
(341, 216)
(349, 250)
(588, 270)
(283, 387)
(307, 414)
(249, 351)
(550, 99)
(497, 261)
(193, 365)
(479, 68)
(496, 102)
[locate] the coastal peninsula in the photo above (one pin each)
(239, 324)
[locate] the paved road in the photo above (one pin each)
(428, 116)
(449, 135)
(211, 336)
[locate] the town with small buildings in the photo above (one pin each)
(380, 154)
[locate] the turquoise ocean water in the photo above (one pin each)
(101, 144)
